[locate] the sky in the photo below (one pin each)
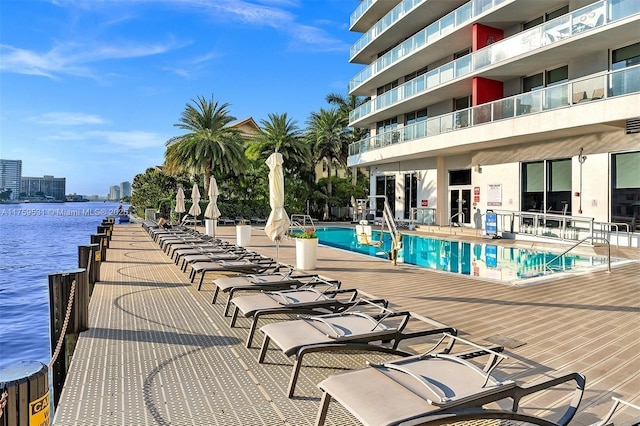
(90, 90)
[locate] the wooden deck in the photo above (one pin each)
(159, 353)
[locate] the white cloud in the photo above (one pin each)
(67, 119)
(73, 58)
(114, 140)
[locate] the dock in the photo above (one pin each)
(158, 352)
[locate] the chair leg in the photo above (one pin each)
(263, 350)
(201, 279)
(324, 407)
(227, 305)
(252, 331)
(215, 295)
(297, 364)
(234, 317)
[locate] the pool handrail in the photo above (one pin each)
(546, 265)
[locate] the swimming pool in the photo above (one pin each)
(508, 264)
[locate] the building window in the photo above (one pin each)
(387, 87)
(625, 57)
(545, 79)
(546, 186)
(625, 188)
(386, 125)
(415, 74)
(460, 177)
(415, 117)
(547, 17)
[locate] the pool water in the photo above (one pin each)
(485, 260)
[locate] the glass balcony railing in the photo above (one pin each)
(389, 19)
(574, 93)
(566, 26)
(456, 19)
(362, 7)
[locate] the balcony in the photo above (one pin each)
(578, 22)
(572, 94)
(367, 13)
(450, 22)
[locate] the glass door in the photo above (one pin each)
(460, 206)
(410, 193)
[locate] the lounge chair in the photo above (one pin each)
(309, 299)
(250, 263)
(283, 277)
(226, 221)
(226, 253)
(434, 387)
(351, 330)
(198, 248)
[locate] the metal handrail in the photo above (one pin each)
(461, 214)
(546, 265)
(299, 222)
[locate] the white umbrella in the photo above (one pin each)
(278, 222)
(212, 211)
(180, 202)
(195, 207)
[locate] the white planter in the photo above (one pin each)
(243, 235)
(210, 227)
(306, 253)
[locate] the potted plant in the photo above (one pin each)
(306, 249)
(243, 233)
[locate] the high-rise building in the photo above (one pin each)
(44, 187)
(125, 189)
(510, 105)
(114, 193)
(10, 177)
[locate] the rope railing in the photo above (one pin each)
(64, 325)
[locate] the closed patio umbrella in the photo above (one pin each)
(212, 211)
(278, 222)
(195, 207)
(180, 208)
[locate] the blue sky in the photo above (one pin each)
(91, 89)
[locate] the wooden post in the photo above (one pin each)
(60, 286)
(27, 386)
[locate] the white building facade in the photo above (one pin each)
(515, 106)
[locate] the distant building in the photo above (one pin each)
(44, 187)
(125, 189)
(114, 193)
(10, 177)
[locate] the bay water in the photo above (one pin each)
(38, 239)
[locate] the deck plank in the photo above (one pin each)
(158, 352)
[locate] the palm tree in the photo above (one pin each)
(280, 134)
(346, 105)
(327, 135)
(210, 142)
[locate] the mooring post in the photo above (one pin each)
(72, 309)
(106, 230)
(24, 390)
(89, 259)
(101, 239)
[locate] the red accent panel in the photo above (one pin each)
(484, 35)
(485, 90)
